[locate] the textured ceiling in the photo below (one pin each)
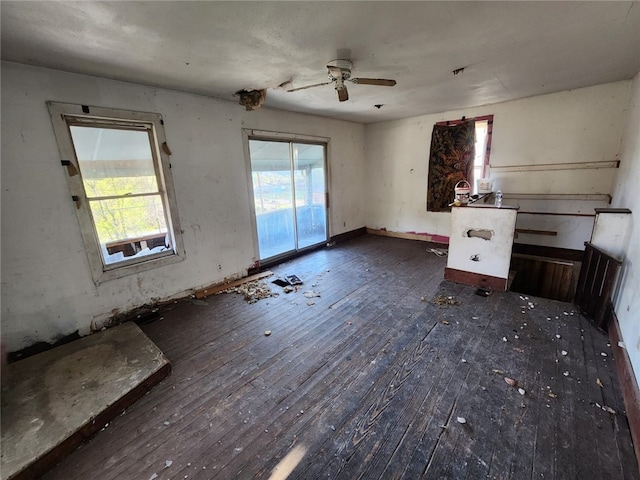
(508, 50)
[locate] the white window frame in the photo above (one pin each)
(62, 116)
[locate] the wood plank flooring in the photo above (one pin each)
(370, 382)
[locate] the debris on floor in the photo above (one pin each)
(267, 333)
(606, 409)
(311, 294)
(440, 252)
(293, 279)
(281, 283)
(252, 291)
(221, 287)
(483, 292)
(444, 300)
(510, 381)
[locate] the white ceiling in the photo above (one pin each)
(509, 49)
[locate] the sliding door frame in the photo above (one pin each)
(251, 134)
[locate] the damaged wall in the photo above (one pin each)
(583, 125)
(47, 288)
(625, 195)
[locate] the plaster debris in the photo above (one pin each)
(504, 339)
(267, 333)
(622, 345)
(521, 391)
(603, 354)
(461, 420)
(566, 374)
(311, 294)
(168, 463)
(166, 423)
(443, 300)
(310, 302)
(606, 408)
(599, 382)
(558, 336)
(510, 381)
(252, 291)
(153, 477)
(564, 353)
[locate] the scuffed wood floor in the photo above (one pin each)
(370, 382)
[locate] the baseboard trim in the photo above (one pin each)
(475, 279)
(343, 237)
(424, 237)
(628, 383)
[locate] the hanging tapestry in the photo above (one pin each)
(450, 160)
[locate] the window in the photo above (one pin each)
(121, 182)
(484, 129)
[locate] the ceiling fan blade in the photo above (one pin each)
(308, 86)
(373, 81)
(343, 95)
(341, 88)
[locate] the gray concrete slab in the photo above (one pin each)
(54, 400)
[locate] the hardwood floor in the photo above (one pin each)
(371, 381)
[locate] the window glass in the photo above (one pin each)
(114, 161)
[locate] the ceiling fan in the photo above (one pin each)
(339, 72)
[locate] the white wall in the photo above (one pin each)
(625, 195)
(583, 125)
(47, 289)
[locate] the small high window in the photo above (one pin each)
(121, 182)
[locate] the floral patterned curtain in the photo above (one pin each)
(450, 160)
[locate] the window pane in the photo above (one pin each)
(114, 161)
(273, 197)
(310, 194)
(131, 223)
(481, 143)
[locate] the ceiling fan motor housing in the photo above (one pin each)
(339, 68)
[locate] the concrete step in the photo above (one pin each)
(53, 401)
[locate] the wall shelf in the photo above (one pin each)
(555, 166)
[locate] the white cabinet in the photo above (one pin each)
(480, 245)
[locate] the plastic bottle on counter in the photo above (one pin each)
(498, 202)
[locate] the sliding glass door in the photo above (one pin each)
(289, 192)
